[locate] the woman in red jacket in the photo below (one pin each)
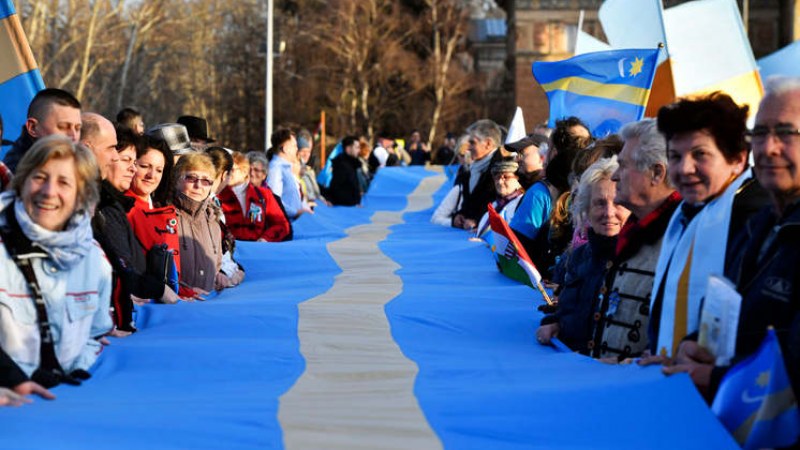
(153, 220)
(251, 212)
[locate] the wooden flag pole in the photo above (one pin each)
(322, 147)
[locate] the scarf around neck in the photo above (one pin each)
(65, 248)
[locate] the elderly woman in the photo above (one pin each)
(509, 193)
(584, 278)
(252, 213)
(199, 231)
(50, 330)
(707, 156)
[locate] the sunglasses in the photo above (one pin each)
(193, 179)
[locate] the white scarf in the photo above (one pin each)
(65, 248)
(707, 235)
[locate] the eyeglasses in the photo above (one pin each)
(784, 133)
(192, 179)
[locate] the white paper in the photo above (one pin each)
(719, 319)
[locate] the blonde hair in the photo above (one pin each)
(193, 161)
(87, 174)
(600, 170)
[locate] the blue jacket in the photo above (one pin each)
(579, 295)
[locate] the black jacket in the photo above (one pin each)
(18, 150)
(126, 255)
(770, 288)
(345, 188)
(475, 204)
(10, 374)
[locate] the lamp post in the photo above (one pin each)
(268, 96)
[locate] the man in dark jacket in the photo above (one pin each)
(766, 268)
(52, 111)
(345, 188)
(477, 184)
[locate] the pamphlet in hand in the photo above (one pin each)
(719, 319)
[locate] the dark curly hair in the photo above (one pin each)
(716, 113)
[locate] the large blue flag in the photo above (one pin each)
(604, 89)
(781, 63)
(20, 78)
(755, 400)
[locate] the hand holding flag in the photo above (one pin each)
(755, 400)
(512, 259)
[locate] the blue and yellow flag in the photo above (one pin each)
(20, 78)
(755, 400)
(604, 89)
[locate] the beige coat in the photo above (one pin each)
(200, 242)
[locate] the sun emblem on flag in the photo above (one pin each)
(636, 67)
(763, 379)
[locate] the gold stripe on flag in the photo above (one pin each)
(16, 57)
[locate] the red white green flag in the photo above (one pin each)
(512, 259)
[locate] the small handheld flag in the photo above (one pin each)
(755, 400)
(512, 259)
(604, 89)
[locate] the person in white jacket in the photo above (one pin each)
(45, 218)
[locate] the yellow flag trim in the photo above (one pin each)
(16, 57)
(617, 92)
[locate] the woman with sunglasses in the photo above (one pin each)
(199, 232)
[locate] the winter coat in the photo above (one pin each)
(475, 203)
(345, 188)
(263, 219)
(126, 254)
(18, 150)
(578, 297)
(768, 278)
(200, 238)
(620, 325)
(77, 300)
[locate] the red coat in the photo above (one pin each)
(153, 226)
(262, 218)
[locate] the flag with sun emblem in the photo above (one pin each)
(755, 400)
(604, 89)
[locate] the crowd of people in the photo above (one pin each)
(99, 217)
(627, 229)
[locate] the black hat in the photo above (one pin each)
(197, 128)
(531, 139)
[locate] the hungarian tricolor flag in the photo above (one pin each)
(512, 259)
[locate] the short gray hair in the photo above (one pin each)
(778, 85)
(602, 169)
(257, 157)
(652, 144)
(486, 129)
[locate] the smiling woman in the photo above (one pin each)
(49, 330)
(707, 163)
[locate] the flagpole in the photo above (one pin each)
(268, 100)
(322, 147)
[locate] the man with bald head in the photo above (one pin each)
(100, 136)
(52, 111)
